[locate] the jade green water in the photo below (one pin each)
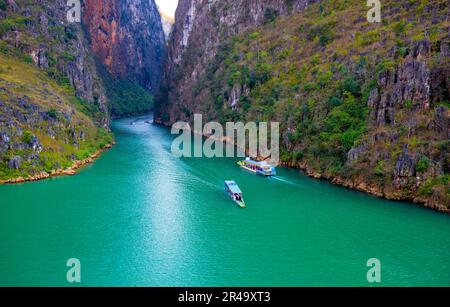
(140, 217)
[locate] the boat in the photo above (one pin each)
(235, 193)
(261, 168)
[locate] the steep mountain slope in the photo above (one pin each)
(200, 27)
(53, 106)
(39, 32)
(128, 39)
(364, 105)
(44, 128)
(55, 116)
(118, 46)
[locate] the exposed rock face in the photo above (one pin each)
(41, 126)
(128, 38)
(441, 123)
(211, 21)
(65, 52)
(405, 166)
(200, 27)
(15, 162)
(40, 121)
(405, 99)
(409, 84)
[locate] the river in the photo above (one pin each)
(141, 217)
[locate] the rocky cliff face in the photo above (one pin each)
(124, 36)
(128, 38)
(406, 111)
(57, 114)
(41, 31)
(200, 28)
(44, 129)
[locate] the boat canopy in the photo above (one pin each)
(257, 163)
(232, 185)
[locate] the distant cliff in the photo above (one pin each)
(117, 52)
(128, 38)
(200, 28)
(363, 105)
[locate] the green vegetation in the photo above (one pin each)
(126, 97)
(423, 164)
(13, 22)
(27, 136)
(434, 184)
(68, 133)
(270, 14)
(291, 79)
(52, 113)
(3, 5)
(322, 32)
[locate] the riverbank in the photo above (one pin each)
(360, 185)
(71, 171)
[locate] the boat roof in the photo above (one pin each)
(234, 188)
(258, 163)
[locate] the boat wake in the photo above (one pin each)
(208, 184)
(283, 180)
(200, 177)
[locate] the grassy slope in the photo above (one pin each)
(314, 72)
(60, 40)
(21, 80)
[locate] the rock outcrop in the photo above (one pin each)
(409, 84)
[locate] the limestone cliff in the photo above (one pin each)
(127, 37)
(200, 28)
